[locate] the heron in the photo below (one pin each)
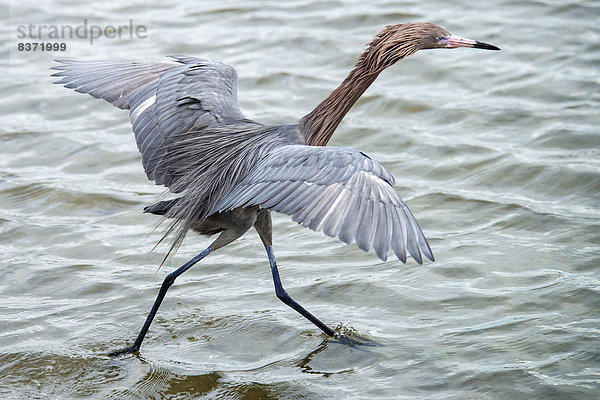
(227, 173)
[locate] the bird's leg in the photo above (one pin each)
(169, 280)
(263, 227)
(285, 297)
(224, 238)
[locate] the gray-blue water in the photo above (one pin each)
(496, 153)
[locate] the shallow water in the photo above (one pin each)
(496, 153)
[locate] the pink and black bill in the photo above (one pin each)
(453, 41)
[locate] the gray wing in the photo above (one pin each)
(164, 100)
(341, 192)
(115, 82)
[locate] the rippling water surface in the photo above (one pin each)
(496, 153)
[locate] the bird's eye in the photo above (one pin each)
(439, 38)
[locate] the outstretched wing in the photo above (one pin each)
(164, 99)
(339, 191)
(115, 82)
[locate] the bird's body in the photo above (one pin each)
(228, 172)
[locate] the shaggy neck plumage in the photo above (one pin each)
(320, 124)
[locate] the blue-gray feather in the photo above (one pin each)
(353, 199)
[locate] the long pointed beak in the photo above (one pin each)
(454, 41)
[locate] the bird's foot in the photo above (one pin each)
(353, 342)
(127, 350)
(351, 337)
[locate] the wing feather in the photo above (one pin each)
(326, 206)
(335, 214)
(411, 243)
(339, 191)
(363, 233)
(165, 100)
(115, 82)
(399, 235)
(282, 194)
(381, 241)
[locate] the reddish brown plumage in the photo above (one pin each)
(390, 45)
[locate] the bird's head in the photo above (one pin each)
(395, 42)
(435, 37)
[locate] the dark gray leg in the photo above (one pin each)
(264, 229)
(285, 297)
(224, 239)
(169, 280)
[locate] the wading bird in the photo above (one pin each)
(228, 172)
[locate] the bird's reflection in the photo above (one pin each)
(345, 336)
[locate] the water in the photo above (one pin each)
(496, 153)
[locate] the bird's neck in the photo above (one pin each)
(320, 123)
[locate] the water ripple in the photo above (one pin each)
(496, 154)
